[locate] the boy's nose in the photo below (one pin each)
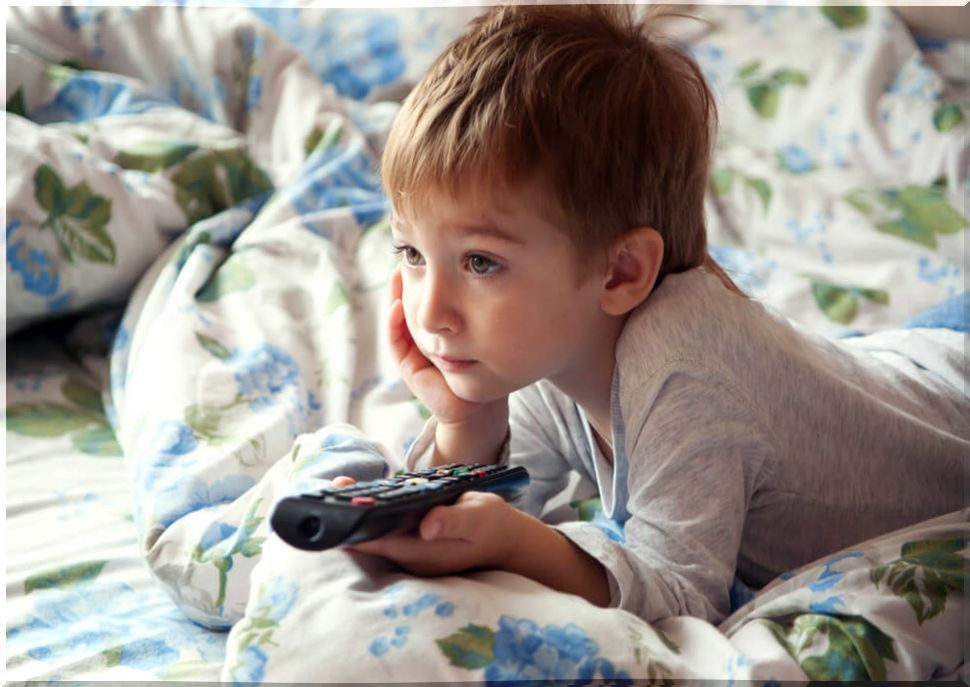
(437, 311)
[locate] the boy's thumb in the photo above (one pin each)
(431, 528)
(451, 522)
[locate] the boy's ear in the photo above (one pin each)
(634, 262)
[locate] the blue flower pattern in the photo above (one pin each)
(828, 578)
(353, 50)
(795, 159)
(37, 270)
(251, 667)
(146, 629)
(394, 610)
(274, 600)
(189, 92)
(171, 445)
(190, 493)
(253, 45)
(87, 96)
(263, 373)
(812, 232)
(341, 176)
(525, 651)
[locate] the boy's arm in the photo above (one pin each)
(481, 531)
(545, 555)
(478, 439)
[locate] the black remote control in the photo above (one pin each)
(367, 510)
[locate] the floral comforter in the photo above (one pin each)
(197, 256)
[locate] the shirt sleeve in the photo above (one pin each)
(540, 436)
(693, 465)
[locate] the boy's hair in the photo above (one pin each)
(617, 123)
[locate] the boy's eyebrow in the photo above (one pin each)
(486, 229)
(492, 231)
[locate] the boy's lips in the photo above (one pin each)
(447, 364)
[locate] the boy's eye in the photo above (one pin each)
(481, 265)
(411, 256)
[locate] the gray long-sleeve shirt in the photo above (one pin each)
(743, 443)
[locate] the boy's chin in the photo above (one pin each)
(475, 393)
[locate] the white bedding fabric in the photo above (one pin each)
(250, 137)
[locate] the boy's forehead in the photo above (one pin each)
(477, 201)
(472, 207)
(470, 224)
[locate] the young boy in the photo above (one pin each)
(555, 307)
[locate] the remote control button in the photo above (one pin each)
(416, 480)
(393, 494)
(362, 501)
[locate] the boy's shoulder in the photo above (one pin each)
(692, 317)
(684, 306)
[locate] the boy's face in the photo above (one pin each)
(492, 294)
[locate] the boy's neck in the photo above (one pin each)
(589, 382)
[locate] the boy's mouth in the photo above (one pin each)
(446, 364)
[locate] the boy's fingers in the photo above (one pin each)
(458, 521)
(409, 359)
(396, 284)
(343, 481)
(397, 331)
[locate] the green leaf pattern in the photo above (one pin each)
(846, 16)
(65, 576)
(835, 647)
(15, 103)
(841, 303)
(82, 416)
(209, 181)
(77, 217)
(232, 276)
(764, 91)
(471, 647)
(586, 509)
(213, 346)
(242, 543)
(947, 117)
(152, 156)
(317, 139)
(722, 181)
(916, 213)
(273, 601)
(925, 573)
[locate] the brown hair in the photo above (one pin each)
(617, 122)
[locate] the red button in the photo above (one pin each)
(479, 472)
(362, 501)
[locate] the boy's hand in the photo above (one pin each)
(477, 531)
(467, 432)
(422, 377)
(481, 530)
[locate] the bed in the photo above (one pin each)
(197, 259)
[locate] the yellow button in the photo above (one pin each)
(416, 480)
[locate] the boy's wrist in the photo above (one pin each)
(546, 555)
(477, 439)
